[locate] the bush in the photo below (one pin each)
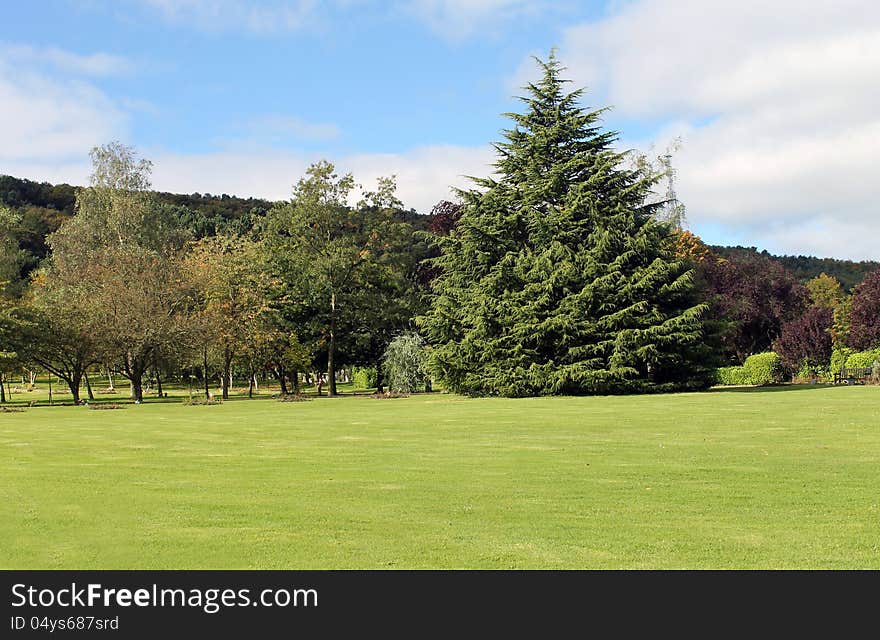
(838, 359)
(405, 363)
(863, 359)
(763, 369)
(759, 369)
(805, 342)
(810, 372)
(363, 377)
(732, 376)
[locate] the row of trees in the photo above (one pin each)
(320, 284)
(564, 272)
(758, 306)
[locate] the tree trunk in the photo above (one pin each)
(331, 349)
(205, 371)
(282, 379)
(73, 384)
(2, 390)
(158, 383)
(137, 387)
(110, 379)
(227, 371)
(50, 389)
(251, 385)
(88, 385)
(380, 387)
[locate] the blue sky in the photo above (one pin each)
(774, 105)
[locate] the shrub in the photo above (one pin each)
(363, 377)
(201, 401)
(763, 368)
(405, 365)
(838, 359)
(863, 359)
(732, 376)
(805, 341)
(810, 372)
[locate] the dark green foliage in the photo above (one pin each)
(556, 279)
(43, 207)
(804, 268)
(346, 275)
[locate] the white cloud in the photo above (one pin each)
(777, 103)
(452, 19)
(95, 64)
(276, 128)
(424, 174)
(219, 15)
(49, 121)
(456, 19)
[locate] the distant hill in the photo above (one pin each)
(45, 206)
(848, 272)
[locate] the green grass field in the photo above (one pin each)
(783, 478)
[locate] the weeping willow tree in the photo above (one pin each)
(558, 278)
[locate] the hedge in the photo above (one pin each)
(759, 369)
(732, 375)
(863, 359)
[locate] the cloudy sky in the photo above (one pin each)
(777, 104)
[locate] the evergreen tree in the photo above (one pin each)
(557, 278)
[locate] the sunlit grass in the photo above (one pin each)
(732, 479)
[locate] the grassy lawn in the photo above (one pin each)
(784, 478)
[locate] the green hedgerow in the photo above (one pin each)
(863, 359)
(763, 368)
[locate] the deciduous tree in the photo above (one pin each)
(333, 258)
(806, 341)
(864, 332)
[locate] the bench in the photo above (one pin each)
(852, 375)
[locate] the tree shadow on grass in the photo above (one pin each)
(779, 388)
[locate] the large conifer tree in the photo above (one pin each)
(558, 278)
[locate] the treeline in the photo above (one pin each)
(807, 331)
(562, 273)
(42, 208)
(304, 287)
(804, 268)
